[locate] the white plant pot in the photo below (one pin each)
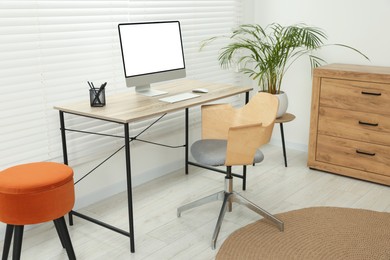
(283, 104)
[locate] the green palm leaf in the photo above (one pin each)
(266, 53)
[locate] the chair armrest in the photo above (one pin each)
(243, 141)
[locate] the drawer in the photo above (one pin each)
(353, 154)
(355, 95)
(360, 126)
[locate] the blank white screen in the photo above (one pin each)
(151, 47)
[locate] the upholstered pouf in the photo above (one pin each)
(34, 193)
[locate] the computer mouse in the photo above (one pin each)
(200, 90)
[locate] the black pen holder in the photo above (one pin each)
(97, 98)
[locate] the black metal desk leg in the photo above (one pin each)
(65, 153)
(186, 140)
(63, 138)
(129, 187)
(283, 144)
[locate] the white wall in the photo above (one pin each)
(360, 24)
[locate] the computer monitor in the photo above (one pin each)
(151, 52)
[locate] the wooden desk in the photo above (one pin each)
(287, 117)
(130, 107)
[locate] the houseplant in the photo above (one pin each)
(266, 53)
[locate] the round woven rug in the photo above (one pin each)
(313, 233)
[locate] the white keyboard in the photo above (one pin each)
(179, 97)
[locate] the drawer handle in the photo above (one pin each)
(371, 93)
(366, 123)
(365, 153)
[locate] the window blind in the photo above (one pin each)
(50, 49)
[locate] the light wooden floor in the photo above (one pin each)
(161, 235)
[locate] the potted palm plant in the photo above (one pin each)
(266, 53)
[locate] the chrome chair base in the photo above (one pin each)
(228, 196)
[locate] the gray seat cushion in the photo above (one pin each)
(213, 152)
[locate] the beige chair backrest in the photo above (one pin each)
(245, 129)
(217, 119)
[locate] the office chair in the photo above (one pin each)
(231, 137)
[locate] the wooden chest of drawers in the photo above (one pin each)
(350, 121)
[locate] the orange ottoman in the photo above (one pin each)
(34, 193)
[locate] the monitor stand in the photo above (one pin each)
(146, 90)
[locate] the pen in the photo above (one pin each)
(90, 86)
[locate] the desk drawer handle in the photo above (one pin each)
(365, 153)
(366, 123)
(371, 93)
